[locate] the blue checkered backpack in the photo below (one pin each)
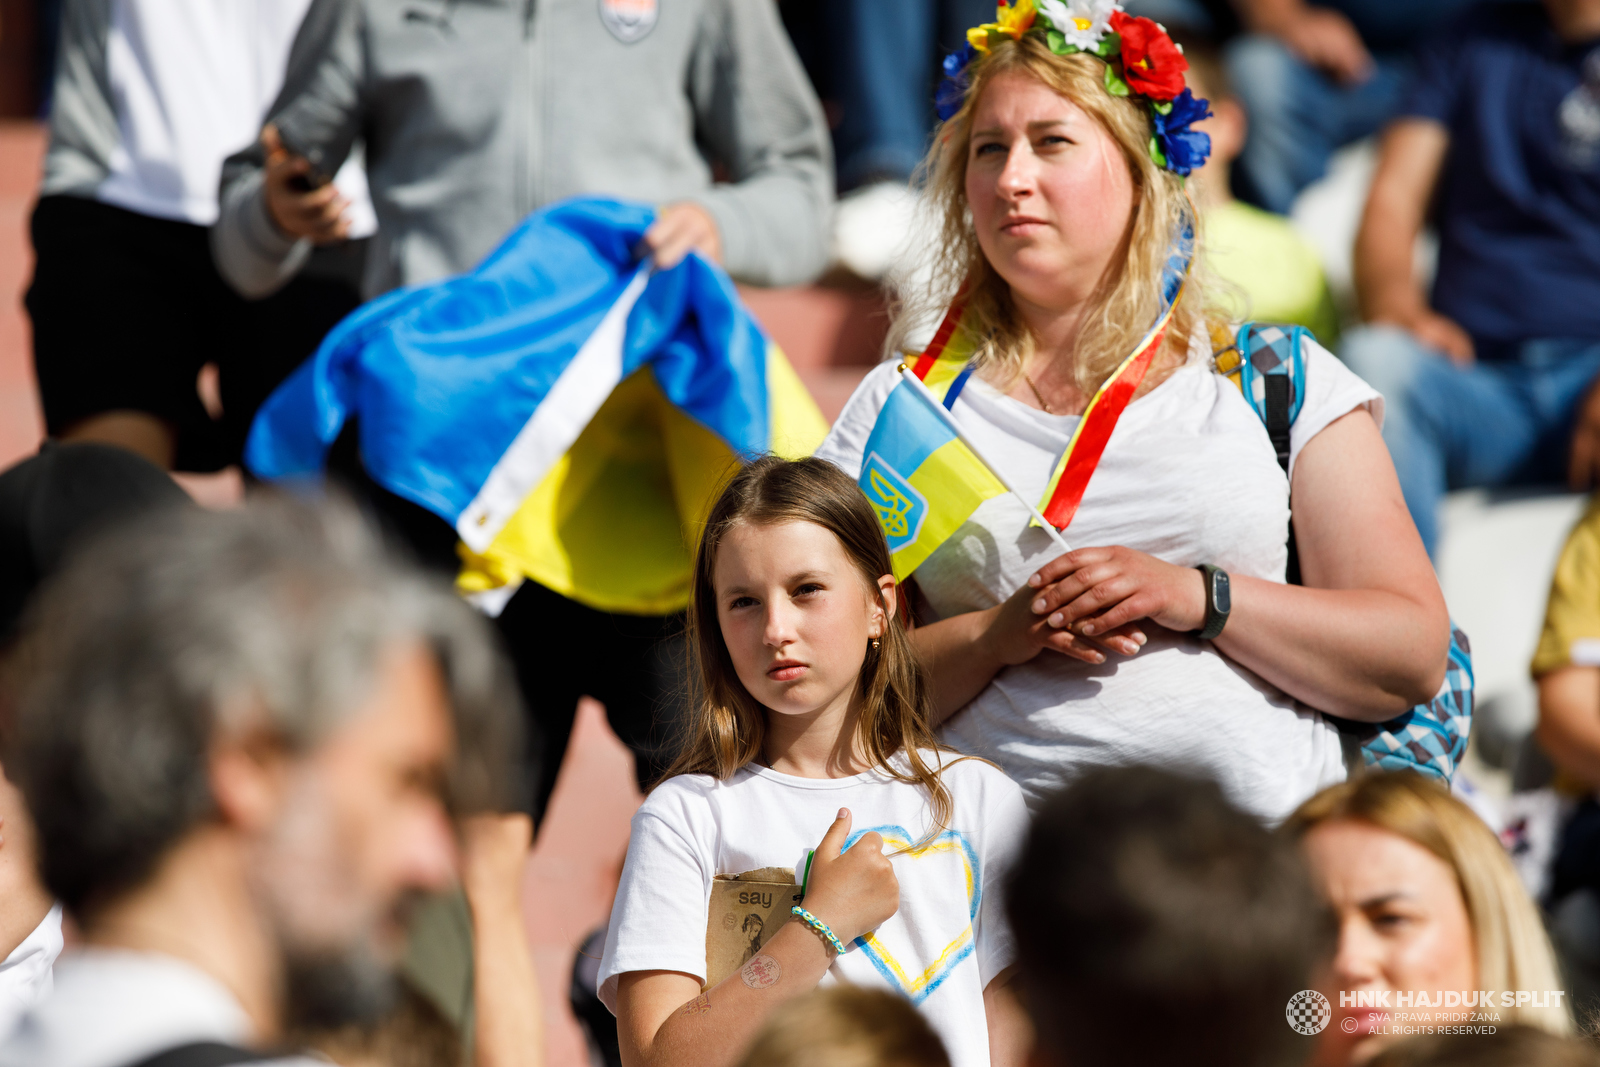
(1266, 362)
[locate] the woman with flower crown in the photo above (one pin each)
(1081, 343)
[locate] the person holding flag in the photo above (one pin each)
(1071, 395)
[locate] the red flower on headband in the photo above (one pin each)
(1151, 63)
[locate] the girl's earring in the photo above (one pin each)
(874, 643)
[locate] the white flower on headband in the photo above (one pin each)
(1081, 22)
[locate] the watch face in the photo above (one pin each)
(1219, 592)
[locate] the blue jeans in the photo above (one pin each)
(887, 66)
(1490, 424)
(1299, 116)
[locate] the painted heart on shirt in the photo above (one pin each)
(901, 970)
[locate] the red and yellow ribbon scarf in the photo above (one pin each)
(946, 364)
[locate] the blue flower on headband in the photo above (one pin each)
(1182, 149)
(953, 90)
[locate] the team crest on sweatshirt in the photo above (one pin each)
(628, 20)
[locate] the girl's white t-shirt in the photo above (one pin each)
(1189, 476)
(940, 950)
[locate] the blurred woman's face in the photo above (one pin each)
(1050, 191)
(1403, 925)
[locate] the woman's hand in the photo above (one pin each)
(1016, 633)
(852, 891)
(1094, 591)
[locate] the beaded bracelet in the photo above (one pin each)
(821, 928)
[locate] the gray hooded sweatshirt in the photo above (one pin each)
(475, 112)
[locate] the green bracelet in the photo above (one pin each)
(820, 927)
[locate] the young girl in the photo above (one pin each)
(811, 733)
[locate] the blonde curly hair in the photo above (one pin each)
(1128, 299)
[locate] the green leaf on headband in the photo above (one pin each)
(1114, 83)
(1110, 45)
(1164, 108)
(1058, 43)
(1156, 154)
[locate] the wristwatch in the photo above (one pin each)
(1219, 601)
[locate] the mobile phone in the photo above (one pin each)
(317, 176)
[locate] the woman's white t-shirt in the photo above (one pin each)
(1189, 476)
(940, 950)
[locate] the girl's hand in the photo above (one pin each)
(852, 891)
(1016, 634)
(1093, 591)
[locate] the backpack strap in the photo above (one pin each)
(1267, 362)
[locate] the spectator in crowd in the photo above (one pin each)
(640, 102)
(1162, 925)
(885, 64)
(1315, 76)
(1272, 274)
(49, 503)
(1507, 1046)
(847, 1026)
(1426, 900)
(1489, 382)
(241, 735)
(456, 162)
(1063, 241)
(1566, 666)
(127, 307)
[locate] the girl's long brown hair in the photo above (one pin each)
(727, 727)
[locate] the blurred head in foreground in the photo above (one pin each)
(53, 501)
(1427, 901)
(1158, 924)
(1509, 1046)
(847, 1026)
(245, 730)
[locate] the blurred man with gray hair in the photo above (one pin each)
(243, 736)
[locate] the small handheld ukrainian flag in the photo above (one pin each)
(922, 475)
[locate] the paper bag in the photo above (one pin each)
(746, 910)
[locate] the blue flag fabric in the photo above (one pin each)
(473, 391)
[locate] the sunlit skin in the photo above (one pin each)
(797, 618)
(1051, 196)
(1403, 925)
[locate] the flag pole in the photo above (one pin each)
(950, 423)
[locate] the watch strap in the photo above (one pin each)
(1216, 618)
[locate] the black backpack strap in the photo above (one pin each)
(204, 1054)
(1278, 423)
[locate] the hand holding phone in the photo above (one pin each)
(301, 198)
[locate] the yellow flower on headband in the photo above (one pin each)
(1012, 20)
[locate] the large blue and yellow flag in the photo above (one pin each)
(567, 410)
(920, 475)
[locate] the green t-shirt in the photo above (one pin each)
(1277, 273)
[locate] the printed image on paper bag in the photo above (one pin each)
(745, 911)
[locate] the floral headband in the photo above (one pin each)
(1142, 61)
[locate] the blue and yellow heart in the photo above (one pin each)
(903, 970)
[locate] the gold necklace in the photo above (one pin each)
(1036, 394)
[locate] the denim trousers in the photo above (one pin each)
(886, 68)
(1299, 116)
(1490, 424)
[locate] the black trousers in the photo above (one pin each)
(127, 308)
(636, 665)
